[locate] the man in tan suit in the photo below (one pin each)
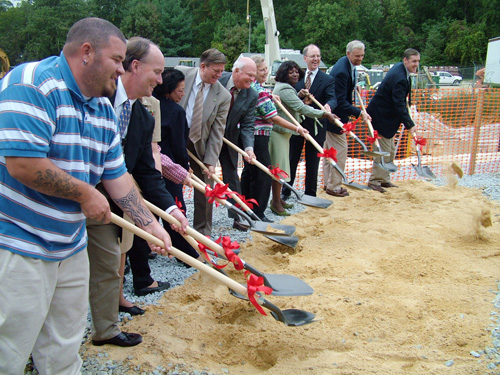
(207, 144)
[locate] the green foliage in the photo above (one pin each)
(445, 31)
(165, 22)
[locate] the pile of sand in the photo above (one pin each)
(403, 283)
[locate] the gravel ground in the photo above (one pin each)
(165, 269)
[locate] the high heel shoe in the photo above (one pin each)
(284, 213)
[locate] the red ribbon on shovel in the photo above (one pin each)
(331, 153)
(219, 191)
(249, 202)
(374, 138)
(277, 172)
(204, 249)
(178, 203)
(349, 127)
(420, 141)
(228, 247)
(256, 284)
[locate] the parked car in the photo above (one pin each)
(446, 78)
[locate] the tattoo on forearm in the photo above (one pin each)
(130, 204)
(59, 184)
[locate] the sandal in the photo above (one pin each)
(284, 213)
(287, 205)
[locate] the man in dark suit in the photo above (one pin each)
(388, 109)
(320, 85)
(344, 76)
(240, 122)
(207, 145)
(143, 66)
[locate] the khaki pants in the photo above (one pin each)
(104, 256)
(332, 178)
(379, 174)
(43, 311)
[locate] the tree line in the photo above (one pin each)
(446, 32)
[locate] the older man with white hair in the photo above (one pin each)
(240, 121)
(344, 75)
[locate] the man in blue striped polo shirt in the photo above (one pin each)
(57, 140)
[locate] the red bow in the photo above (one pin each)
(420, 141)
(219, 191)
(331, 153)
(374, 138)
(256, 284)
(204, 249)
(249, 202)
(178, 203)
(349, 127)
(277, 172)
(228, 247)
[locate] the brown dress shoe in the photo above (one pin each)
(340, 192)
(376, 187)
(388, 185)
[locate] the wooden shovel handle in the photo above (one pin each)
(257, 163)
(192, 233)
(368, 122)
(306, 136)
(219, 181)
(336, 121)
(230, 283)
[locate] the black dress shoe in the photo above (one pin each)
(133, 310)
(162, 285)
(152, 255)
(388, 185)
(240, 226)
(376, 187)
(123, 339)
(265, 219)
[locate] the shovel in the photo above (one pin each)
(422, 170)
(288, 229)
(290, 317)
(354, 136)
(389, 167)
(256, 226)
(304, 199)
(282, 285)
(320, 149)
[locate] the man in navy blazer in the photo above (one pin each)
(344, 75)
(143, 66)
(388, 109)
(240, 122)
(323, 89)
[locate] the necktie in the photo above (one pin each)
(409, 91)
(195, 131)
(354, 76)
(308, 80)
(124, 118)
(233, 89)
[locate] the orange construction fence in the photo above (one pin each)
(461, 124)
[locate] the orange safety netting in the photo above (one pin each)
(461, 124)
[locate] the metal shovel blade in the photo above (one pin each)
(307, 200)
(375, 154)
(256, 226)
(355, 185)
(389, 167)
(423, 170)
(287, 285)
(288, 229)
(291, 317)
(289, 241)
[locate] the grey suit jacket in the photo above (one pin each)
(215, 109)
(243, 113)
